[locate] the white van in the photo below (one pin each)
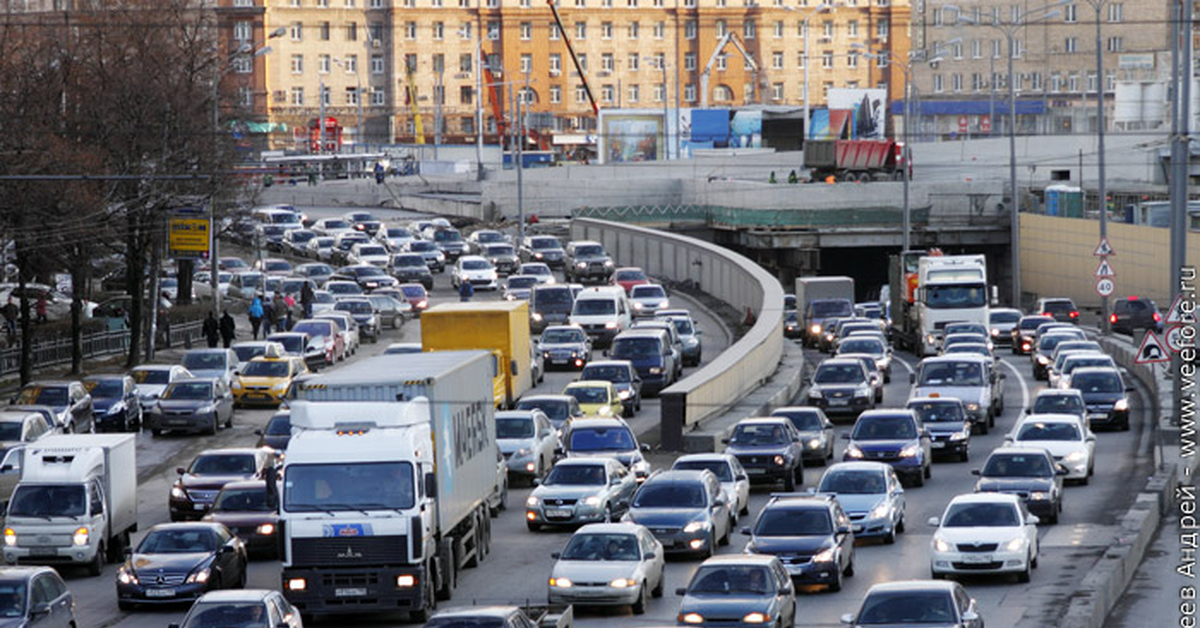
(602, 312)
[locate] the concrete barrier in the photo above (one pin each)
(723, 274)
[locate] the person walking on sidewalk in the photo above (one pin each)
(306, 299)
(256, 315)
(228, 328)
(10, 319)
(278, 312)
(212, 330)
(40, 309)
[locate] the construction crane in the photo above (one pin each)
(574, 58)
(729, 37)
(418, 128)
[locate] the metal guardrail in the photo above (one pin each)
(750, 218)
(57, 351)
(725, 275)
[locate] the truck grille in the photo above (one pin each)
(376, 550)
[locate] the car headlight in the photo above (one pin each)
(692, 618)
(995, 332)
(963, 435)
(124, 576)
(178, 492)
(756, 618)
(537, 256)
(531, 501)
(655, 370)
(116, 408)
(814, 443)
(862, 391)
(593, 501)
(280, 385)
(824, 556)
(80, 538)
(879, 511)
(637, 306)
(561, 583)
(1043, 360)
(815, 329)
(622, 583)
(581, 265)
(854, 451)
(605, 410)
(972, 407)
(10, 537)
(910, 451)
(200, 576)
(1016, 544)
(664, 304)
(1076, 456)
(266, 529)
(1038, 496)
(205, 409)
(930, 339)
(536, 317)
(624, 394)
(608, 263)
(1121, 405)
(695, 526)
(941, 545)
(779, 461)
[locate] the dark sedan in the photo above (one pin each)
(179, 562)
(543, 248)
(368, 276)
(811, 535)
(115, 402)
(565, 346)
(193, 493)
(739, 590)
(192, 405)
(1104, 392)
(503, 257)
(917, 602)
(246, 510)
(769, 450)
(277, 433)
(411, 268)
(1024, 333)
(1028, 473)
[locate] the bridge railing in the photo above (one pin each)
(725, 275)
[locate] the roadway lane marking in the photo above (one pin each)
(905, 364)
(1024, 385)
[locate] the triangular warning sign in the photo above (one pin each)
(1104, 249)
(1151, 350)
(1177, 317)
(1105, 269)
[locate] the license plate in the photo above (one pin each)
(160, 592)
(351, 592)
(937, 444)
(977, 558)
(858, 529)
(794, 569)
(756, 471)
(558, 513)
(199, 506)
(1094, 417)
(558, 361)
(836, 401)
(42, 551)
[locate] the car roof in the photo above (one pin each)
(1017, 450)
(187, 525)
(157, 367)
(704, 457)
(946, 400)
(839, 361)
(678, 476)
(886, 412)
(23, 571)
(243, 484)
(643, 332)
(43, 383)
(569, 326)
(547, 397)
(1049, 417)
(574, 462)
(985, 498)
(494, 612)
(610, 528)
(590, 383)
(105, 377)
(913, 586)
(235, 595)
(957, 357)
(621, 363)
(516, 414)
(764, 420)
(230, 450)
(740, 559)
(607, 422)
(1058, 392)
(1086, 370)
(859, 465)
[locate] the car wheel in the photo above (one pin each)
(639, 606)
(96, 566)
(657, 591)
(155, 432)
(125, 606)
(628, 411)
(918, 479)
(789, 482)
(1023, 577)
(964, 456)
(933, 575)
(532, 526)
(900, 525)
(890, 537)
(212, 428)
(836, 584)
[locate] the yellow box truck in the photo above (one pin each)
(492, 326)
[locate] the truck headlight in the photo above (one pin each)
(406, 581)
(521, 453)
(815, 329)
(296, 584)
(581, 265)
(608, 263)
(10, 537)
(537, 318)
(655, 370)
(266, 529)
(1043, 360)
(80, 538)
(610, 325)
(972, 407)
(1038, 496)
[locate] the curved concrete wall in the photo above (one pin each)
(723, 274)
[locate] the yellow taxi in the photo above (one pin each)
(596, 397)
(264, 381)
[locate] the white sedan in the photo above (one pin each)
(476, 270)
(1063, 436)
(984, 533)
(609, 564)
(730, 474)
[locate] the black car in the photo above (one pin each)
(115, 402)
(277, 433)
(71, 402)
(1133, 313)
(1104, 392)
(363, 221)
(769, 449)
(586, 261)
(411, 268)
(193, 493)
(543, 248)
(450, 242)
(948, 423)
(1043, 355)
(549, 305)
(179, 562)
(368, 276)
(935, 603)
(565, 346)
(35, 597)
(1028, 473)
(251, 513)
(811, 535)
(1062, 310)
(363, 313)
(1024, 333)
(502, 256)
(792, 328)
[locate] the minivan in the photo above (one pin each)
(549, 305)
(651, 353)
(602, 312)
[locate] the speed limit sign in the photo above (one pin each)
(1104, 286)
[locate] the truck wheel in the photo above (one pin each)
(446, 570)
(96, 566)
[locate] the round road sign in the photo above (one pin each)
(1176, 340)
(1104, 286)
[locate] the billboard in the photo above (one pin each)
(869, 107)
(628, 136)
(188, 233)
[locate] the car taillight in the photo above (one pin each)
(1157, 317)
(1112, 318)
(1075, 314)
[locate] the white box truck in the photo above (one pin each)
(936, 289)
(76, 502)
(821, 298)
(386, 482)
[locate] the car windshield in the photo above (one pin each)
(360, 216)
(804, 420)
(43, 396)
(422, 246)
(300, 236)
(476, 264)
(630, 275)
(1003, 317)
(861, 345)
(343, 287)
(348, 486)
(1038, 431)
(178, 541)
(292, 343)
(334, 223)
(720, 468)
(938, 411)
(279, 426)
(759, 434)
(372, 250)
(592, 547)
(553, 296)
(1103, 382)
(793, 522)
(909, 607)
(1048, 404)
(956, 296)
(827, 309)
(105, 388)
(515, 427)
(12, 598)
(540, 270)
(324, 242)
(589, 251)
(521, 282)
(188, 390)
(1017, 466)
(1099, 360)
(884, 428)
(635, 348)
(277, 265)
(245, 353)
(554, 409)
(670, 495)
(562, 336)
(980, 514)
(355, 307)
(500, 250)
(484, 237)
(265, 368)
(223, 464)
(648, 292)
(151, 376)
(398, 232)
(968, 348)
(242, 500)
(1033, 322)
(545, 243)
(48, 500)
(602, 439)
(227, 615)
(951, 374)
(683, 326)
(447, 235)
(313, 328)
(466, 622)
(588, 394)
(576, 475)
(1047, 344)
(853, 483)
(408, 261)
(322, 296)
(604, 372)
(839, 374)
(413, 292)
(204, 361)
(730, 580)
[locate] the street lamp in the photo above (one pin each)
(1101, 187)
(477, 66)
(822, 8)
(358, 128)
(1020, 19)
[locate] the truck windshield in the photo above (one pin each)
(952, 374)
(826, 309)
(48, 500)
(348, 486)
(957, 296)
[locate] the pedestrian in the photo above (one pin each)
(255, 312)
(465, 291)
(40, 309)
(379, 173)
(772, 179)
(792, 178)
(279, 311)
(10, 319)
(228, 328)
(306, 299)
(211, 330)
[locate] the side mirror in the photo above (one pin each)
(1060, 470)
(556, 555)
(650, 556)
(39, 610)
(846, 436)
(172, 625)
(741, 477)
(1032, 520)
(515, 369)
(431, 486)
(787, 589)
(725, 441)
(258, 432)
(934, 522)
(848, 619)
(680, 591)
(1028, 410)
(843, 530)
(180, 470)
(912, 378)
(1129, 389)
(969, 616)
(227, 549)
(645, 448)
(6, 468)
(745, 530)
(1091, 438)
(537, 481)
(128, 552)
(975, 472)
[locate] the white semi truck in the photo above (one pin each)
(386, 482)
(944, 289)
(76, 502)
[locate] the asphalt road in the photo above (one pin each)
(158, 458)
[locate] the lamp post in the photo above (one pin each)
(822, 8)
(1101, 187)
(662, 65)
(358, 129)
(1020, 19)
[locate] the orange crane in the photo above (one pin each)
(574, 59)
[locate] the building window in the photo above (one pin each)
(722, 62)
(296, 31)
(632, 62)
(777, 30)
(323, 31)
(882, 28)
(555, 94)
(526, 31)
(606, 93)
(689, 92)
(689, 29)
(351, 62)
(245, 96)
(493, 62)
(722, 93)
(1110, 81)
(242, 31)
(352, 95)
(580, 31)
(298, 96)
(323, 64)
(1070, 13)
(1116, 12)
(827, 29)
(410, 31)
(352, 31)
(582, 61)
(976, 49)
(1091, 81)
(243, 64)
(493, 30)
(467, 124)
(825, 87)
(777, 91)
(749, 30)
(327, 96)
(659, 92)
(377, 64)
(996, 43)
(1071, 45)
(322, 4)
(297, 64)
(689, 61)
(1116, 44)
(852, 28)
(1056, 82)
(1018, 48)
(350, 4)
(580, 94)
(606, 62)
(660, 30)
(1035, 81)
(956, 82)
(660, 60)
(721, 29)
(882, 62)
(439, 94)
(410, 63)
(526, 63)
(464, 31)
(634, 30)
(439, 31)
(375, 31)
(691, 4)
(524, 4)
(606, 30)
(827, 59)
(555, 64)
(1073, 82)
(777, 60)
(376, 4)
(937, 83)
(957, 50)
(800, 59)
(852, 59)
(555, 34)
(633, 93)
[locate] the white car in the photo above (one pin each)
(730, 474)
(528, 442)
(332, 226)
(1063, 436)
(476, 270)
(242, 607)
(323, 301)
(608, 564)
(648, 298)
(537, 269)
(984, 533)
(369, 253)
(202, 283)
(152, 379)
(320, 248)
(346, 327)
(394, 237)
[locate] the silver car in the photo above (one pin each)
(870, 494)
(152, 379)
(608, 564)
(816, 431)
(733, 478)
(873, 346)
(581, 490)
(973, 379)
(687, 511)
(222, 364)
(648, 299)
(528, 442)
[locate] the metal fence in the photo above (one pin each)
(57, 351)
(750, 218)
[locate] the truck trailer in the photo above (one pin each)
(491, 326)
(821, 298)
(855, 160)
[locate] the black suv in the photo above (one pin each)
(1104, 393)
(1028, 473)
(542, 248)
(769, 449)
(586, 261)
(549, 305)
(810, 535)
(1063, 310)
(1132, 313)
(411, 268)
(1024, 334)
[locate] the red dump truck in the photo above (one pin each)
(855, 160)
